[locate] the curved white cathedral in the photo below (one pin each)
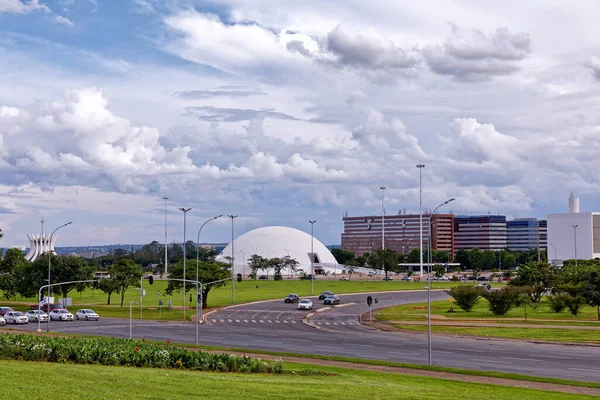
(39, 245)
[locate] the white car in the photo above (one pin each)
(305, 304)
(36, 315)
(344, 278)
(61, 314)
(16, 317)
(2, 321)
(86, 314)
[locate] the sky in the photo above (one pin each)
(281, 112)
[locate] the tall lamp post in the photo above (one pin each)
(244, 264)
(382, 224)
(552, 244)
(312, 256)
(429, 260)
(575, 240)
(421, 166)
(49, 264)
(198, 249)
(185, 211)
(232, 260)
(165, 198)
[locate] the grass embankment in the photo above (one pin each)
(99, 382)
(245, 291)
(542, 323)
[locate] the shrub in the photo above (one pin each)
(501, 301)
(573, 303)
(466, 296)
(126, 352)
(557, 304)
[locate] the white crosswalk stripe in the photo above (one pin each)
(277, 321)
(270, 321)
(229, 320)
(222, 320)
(245, 320)
(254, 320)
(261, 321)
(237, 320)
(293, 322)
(285, 322)
(214, 320)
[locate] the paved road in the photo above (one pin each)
(337, 332)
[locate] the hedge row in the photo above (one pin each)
(126, 352)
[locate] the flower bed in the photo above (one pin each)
(126, 352)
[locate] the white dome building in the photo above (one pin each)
(280, 241)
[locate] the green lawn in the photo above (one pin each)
(99, 382)
(543, 315)
(245, 291)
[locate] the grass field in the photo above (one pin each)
(245, 291)
(99, 382)
(543, 315)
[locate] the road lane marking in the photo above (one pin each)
(229, 320)
(585, 369)
(237, 320)
(293, 322)
(491, 361)
(214, 320)
(270, 321)
(254, 320)
(522, 359)
(245, 320)
(262, 322)
(222, 320)
(278, 321)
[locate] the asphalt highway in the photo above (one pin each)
(336, 331)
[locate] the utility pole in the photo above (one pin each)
(232, 260)
(185, 211)
(166, 268)
(312, 256)
(382, 228)
(421, 166)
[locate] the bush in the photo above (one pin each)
(125, 352)
(557, 304)
(501, 301)
(573, 303)
(466, 296)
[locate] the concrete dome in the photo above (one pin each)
(279, 241)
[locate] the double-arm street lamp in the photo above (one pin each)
(49, 264)
(185, 211)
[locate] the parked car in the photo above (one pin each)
(344, 278)
(308, 278)
(484, 285)
(305, 304)
(36, 315)
(2, 321)
(4, 310)
(263, 277)
(333, 300)
(482, 278)
(16, 317)
(325, 294)
(61, 314)
(87, 315)
(388, 278)
(291, 298)
(406, 279)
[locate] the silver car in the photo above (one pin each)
(87, 314)
(61, 314)
(16, 317)
(37, 315)
(2, 321)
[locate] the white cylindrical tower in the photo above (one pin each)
(573, 204)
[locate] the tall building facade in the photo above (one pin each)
(526, 234)
(486, 232)
(364, 234)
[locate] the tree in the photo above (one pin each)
(462, 257)
(108, 286)
(525, 300)
(414, 256)
(290, 263)
(502, 300)
(343, 256)
(277, 264)
(591, 291)
(465, 296)
(540, 277)
(256, 262)
(476, 259)
(438, 271)
(67, 269)
(488, 260)
(11, 264)
(383, 258)
(126, 273)
(442, 256)
(207, 272)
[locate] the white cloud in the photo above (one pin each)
(593, 64)
(59, 19)
(21, 7)
(145, 6)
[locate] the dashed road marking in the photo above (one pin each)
(246, 320)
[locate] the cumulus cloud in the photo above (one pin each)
(145, 6)
(366, 52)
(593, 64)
(59, 19)
(21, 7)
(471, 55)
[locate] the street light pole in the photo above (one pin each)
(166, 268)
(312, 256)
(429, 259)
(575, 239)
(232, 260)
(49, 264)
(421, 166)
(555, 254)
(185, 211)
(198, 257)
(382, 225)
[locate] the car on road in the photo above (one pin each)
(291, 298)
(305, 304)
(16, 317)
(324, 294)
(333, 300)
(2, 321)
(406, 279)
(484, 285)
(37, 315)
(263, 277)
(308, 278)
(344, 278)
(482, 278)
(87, 314)
(61, 314)
(388, 278)
(4, 310)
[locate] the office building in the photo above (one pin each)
(526, 234)
(486, 232)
